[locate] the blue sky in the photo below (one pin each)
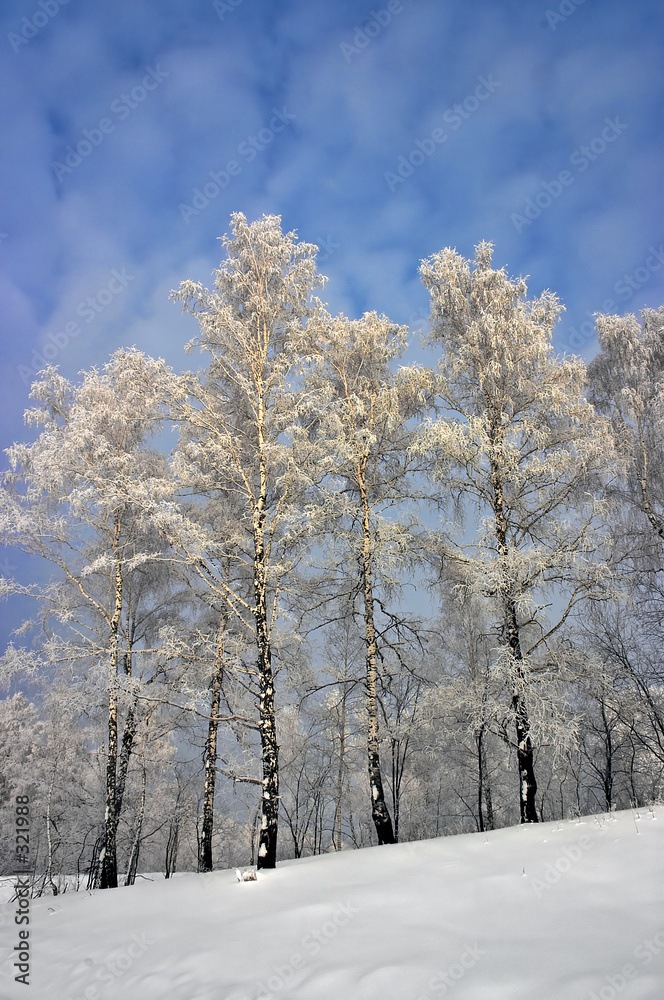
(383, 132)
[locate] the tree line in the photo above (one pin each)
(358, 601)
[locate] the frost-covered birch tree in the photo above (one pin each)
(518, 447)
(361, 412)
(627, 384)
(465, 705)
(83, 497)
(240, 421)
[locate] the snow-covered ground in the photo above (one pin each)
(558, 911)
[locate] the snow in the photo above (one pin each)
(554, 911)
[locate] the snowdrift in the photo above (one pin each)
(557, 911)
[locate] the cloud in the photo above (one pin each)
(325, 173)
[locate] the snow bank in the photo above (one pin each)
(558, 911)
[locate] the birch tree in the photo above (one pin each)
(82, 497)
(627, 384)
(516, 443)
(210, 755)
(465, 706)
(361, 412)
(240, 420)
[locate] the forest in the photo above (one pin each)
(311, 598)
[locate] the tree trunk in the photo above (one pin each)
(172, 847)
(479, 741)
(132, 864)
(253, 826)
(488, 798)
(108, 857)
(48, 878)
(340, 770)
(607, 776)
(524, 746)
(379, 811)
(205, 850)
(123, 762)
(395, 787)
(128, 734)
(108, 872)
(267, 843)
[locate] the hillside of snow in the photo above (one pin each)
(557, 911)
